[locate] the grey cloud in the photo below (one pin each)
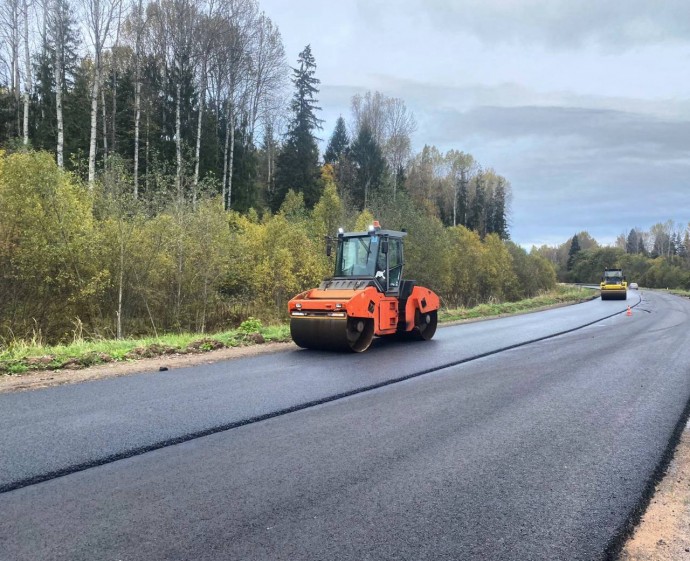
(621, 135)
(612, 24)
(575, 169)
(600, 164)
(424, 95)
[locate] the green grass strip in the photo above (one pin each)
(18, 357)
(558, 296)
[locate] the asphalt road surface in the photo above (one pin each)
(541, 451)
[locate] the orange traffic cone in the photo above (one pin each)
(629, 312)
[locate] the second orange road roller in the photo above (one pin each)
(367, 297)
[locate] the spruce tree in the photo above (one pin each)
(298, 161)
(338, 144)
(572, 253)
(631, 243)
(476, 215)
(370, 167)
(62, 38)
(499, 222)
(463, 201)
(675, 243)
(684, 249)
(245, 160)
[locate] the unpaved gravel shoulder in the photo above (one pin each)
(48, 378)
(663, 533)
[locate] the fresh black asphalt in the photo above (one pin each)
(64, 429)
(542, 452)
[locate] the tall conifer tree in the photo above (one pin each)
(572, 253)
(298, 162)
(499, 222)
(370, 166)
(338, 144)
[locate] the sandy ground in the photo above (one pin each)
(663, 534)
(664, 531)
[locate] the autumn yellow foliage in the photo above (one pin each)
(79, 264)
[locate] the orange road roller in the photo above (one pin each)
(366, 298)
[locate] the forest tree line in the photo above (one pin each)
(654, 258)
(104, 264)
(161, 171)
(194, 95)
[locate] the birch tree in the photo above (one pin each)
(115, 60)
(400, 124)
(100, 15)
(369, 110)
(27, 71)
(178, 25)
(137, 23)
(391, 125)
(58, 34)
(232, 65)
(268, 72)
(209, 34)
(10, 18)
(459, 165)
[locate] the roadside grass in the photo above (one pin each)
(680, 292)
(563, 294)
(18, 356)
(676, 291)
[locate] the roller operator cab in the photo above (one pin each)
(366, 298)
(613, 285)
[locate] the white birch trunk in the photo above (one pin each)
(94, 127)
(137, 119)
(58, 95)
(232, 157)
(120, 289)
(15, 65)
(148, 146)
(178, 141)
(113, 112)
(137, 100)
(197, 152)
(269, 157)
(105, 126)
(114, 63)
(225, 156)
(27, 80)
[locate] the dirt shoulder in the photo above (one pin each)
(47, 378)
(663, 533)
(39, 379)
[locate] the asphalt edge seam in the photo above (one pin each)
(618, 541)
(133, 452)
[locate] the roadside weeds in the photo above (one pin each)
(20, 359)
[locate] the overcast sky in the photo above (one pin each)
(584, 106)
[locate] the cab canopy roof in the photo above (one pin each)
(374, 230)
